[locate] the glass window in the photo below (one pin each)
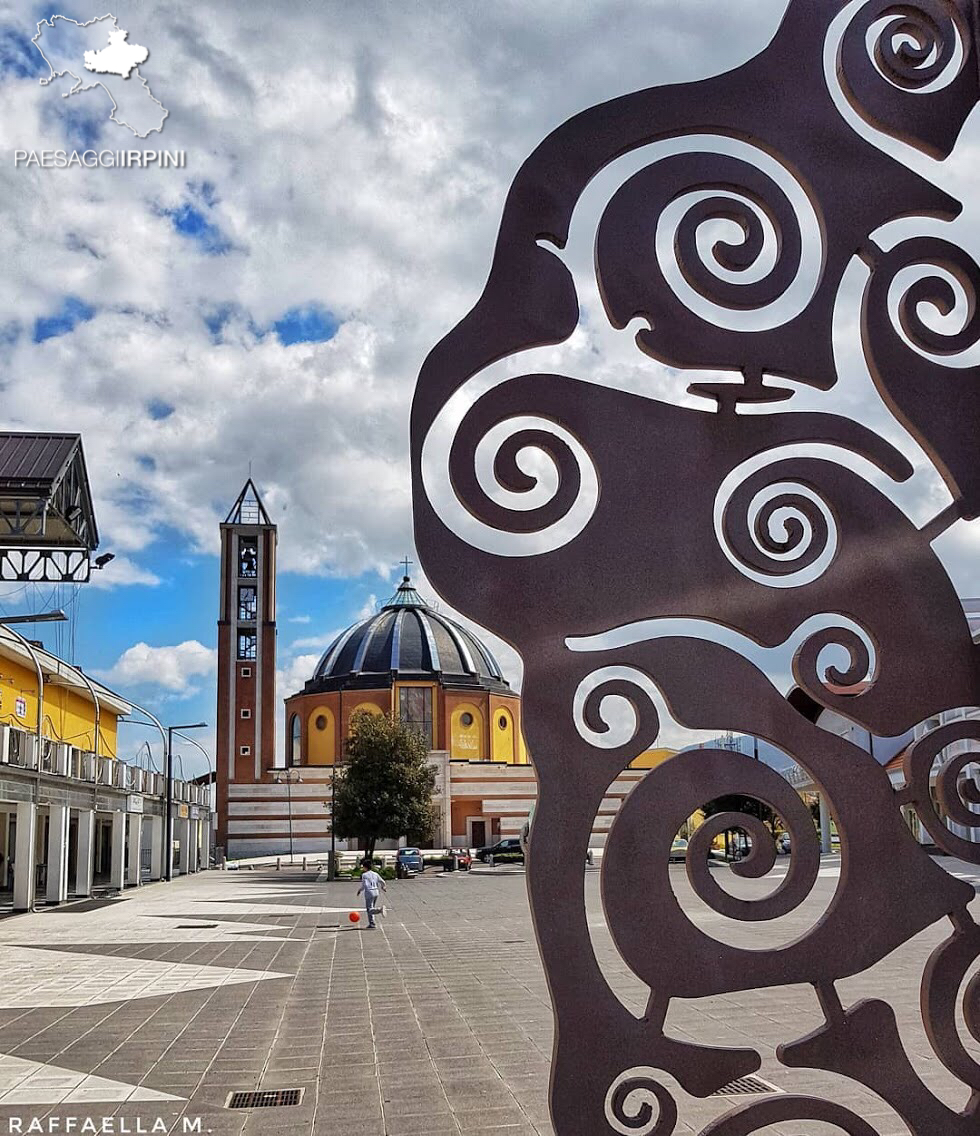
(248, 556)
(248, 603)
(246, 644)
(295, 755)
(415, 709)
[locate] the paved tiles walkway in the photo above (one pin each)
(151, 1011)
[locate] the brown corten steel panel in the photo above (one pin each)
(688, 529)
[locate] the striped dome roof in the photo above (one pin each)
(407, 639)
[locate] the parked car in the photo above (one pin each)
(784, 843)
(452, 858)
(511, 848)
(678, 849)
(408, 860)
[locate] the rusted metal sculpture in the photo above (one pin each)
(673, 530)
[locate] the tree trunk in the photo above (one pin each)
(369, 844)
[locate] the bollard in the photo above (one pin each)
(278, 863)
(304, 863)
(490, 859)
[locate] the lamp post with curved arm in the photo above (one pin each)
(211, 774)
(171, 730)
(43, 617)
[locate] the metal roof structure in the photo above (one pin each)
(47, 521)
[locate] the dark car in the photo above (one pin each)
(511, 848)
(408, 860)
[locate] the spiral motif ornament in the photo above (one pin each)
(774, 529)
(952, 794)
(628, 733)
(524, 517)
(852, 680)
(892, 53)
(923, 273)
(638, 1105)
(922, 341)
(655, 936)
(761, 1114)
(712, 248)
(945, 972)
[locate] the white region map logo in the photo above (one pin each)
(98, 54)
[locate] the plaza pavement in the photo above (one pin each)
(143, 1014)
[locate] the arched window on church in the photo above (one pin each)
(295, 742)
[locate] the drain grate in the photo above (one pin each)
(195, 926)
(265, 1098)
(747, 1087)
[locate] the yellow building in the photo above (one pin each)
(72, 816)
(72, 702)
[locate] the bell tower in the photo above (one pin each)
(246, 721)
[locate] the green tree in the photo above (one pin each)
(384, 787)
(736, 803)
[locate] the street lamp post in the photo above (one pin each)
(213, 778)
(168, 822)
(332, 869)
(287, 776)
(41, 617)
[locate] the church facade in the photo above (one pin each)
(408, 660)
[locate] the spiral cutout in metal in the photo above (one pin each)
(638, 689)
(918, 763)
(511, 477)
(914, 46)
(637, 1105)
(929, 271)
(774, 527)
(795, 887)
(760, 1114)
(648, 243)
(852, 680)
(517, 521)
(668, 947)
(948, 966)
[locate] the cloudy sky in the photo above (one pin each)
(272, 302)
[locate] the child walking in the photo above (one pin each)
(371, 884)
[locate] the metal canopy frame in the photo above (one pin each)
(48, 529)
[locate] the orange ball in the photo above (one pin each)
(354, 917)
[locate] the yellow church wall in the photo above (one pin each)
(321, 734)
(68, 716)
(651, 758)
(466, 741)
(367, 707)
(502, 741)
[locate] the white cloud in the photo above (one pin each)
(121, 571)
(368, 608)
(307, 641)
(171, 668)
(372, 186)
(299, 619)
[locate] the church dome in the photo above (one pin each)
(407, 640)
